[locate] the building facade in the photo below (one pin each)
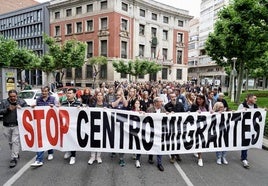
(205, 70)
(27, 27)
(123, 29)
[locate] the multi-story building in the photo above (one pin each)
(27, 27)
(193, 52)
(206, 70)
(123, 29)
(12, 5)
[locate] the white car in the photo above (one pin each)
(30, 96)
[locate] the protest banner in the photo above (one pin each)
(110, 130)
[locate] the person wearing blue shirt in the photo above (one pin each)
(44, 100)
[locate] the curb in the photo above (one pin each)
(265, 143)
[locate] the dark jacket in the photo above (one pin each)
(10, 117)
(75, 103)
(178, 107)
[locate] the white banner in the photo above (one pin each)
(109, 130)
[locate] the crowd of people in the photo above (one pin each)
(147, 97)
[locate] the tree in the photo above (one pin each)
(240, 32)
(137, 67)
(96, 62)
(24, 59)
(70, 54)
(8, 48)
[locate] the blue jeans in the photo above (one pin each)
(220, 154)
(40, 155)
(244, 155)
(159, 159)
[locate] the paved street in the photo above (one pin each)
(59, 172)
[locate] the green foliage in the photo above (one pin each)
(8, 48)
(24, 59)
(241, 31)
(70, 54)
(137, 67)
(98, 60)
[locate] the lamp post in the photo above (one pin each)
(234, 73)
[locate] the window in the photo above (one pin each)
(142, 13)
(57, 31)
(104, 5)
(69, 73)
(153, 32)
(123, 75)
(104, 23)
(68, 12)
(57, 15)
(164, 73)
(124, 6)
(154, 16)
(89, 25)
(78, 10)
(164, 53)
(89, 71)
(141, 30)
(78, 72)
(165, 19)
(153, 52)
(89, 49)
(180, 23)
(90, 8)
(179, 74)
(124, 24)
(124, 50)
(79, 27)
(180, 37)
(104, 48)
(69, 29)
(179, 57)
(141, 50)
(165, 35)
(141, 76)
(103, 72)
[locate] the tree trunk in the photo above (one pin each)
(230, 86)
(255, 84)
(263, 82)
(240, 82)
(246, 84)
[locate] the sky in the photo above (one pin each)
(192, 5)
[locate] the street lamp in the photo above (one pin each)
(234, 73)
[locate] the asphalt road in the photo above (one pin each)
(59, 172)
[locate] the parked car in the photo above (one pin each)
(30, 96)
(62, 91)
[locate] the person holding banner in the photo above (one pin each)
(173, 106)
(200, 106)
(100, 104)
(8, 108)
(249, 103)
(221, 155)
(120, 103)
(71, 101)
(44, 100)
(157, 108)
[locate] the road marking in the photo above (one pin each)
(16, 176)
(183, 175)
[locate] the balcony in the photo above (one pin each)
(180, 44)
(103, 32)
